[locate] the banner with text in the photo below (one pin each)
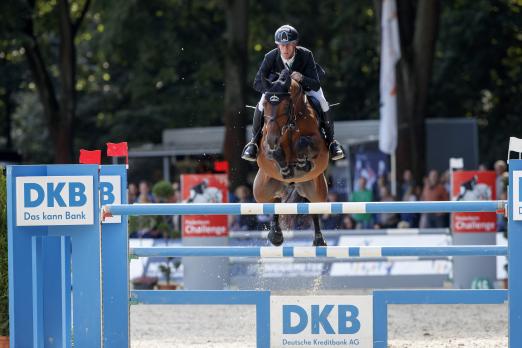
(205, 188)
(321, 321)
(54, 200)
(473, 186)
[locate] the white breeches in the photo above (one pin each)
(316, 94)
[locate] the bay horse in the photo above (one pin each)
(292, 155)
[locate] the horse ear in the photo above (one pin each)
(288, 80)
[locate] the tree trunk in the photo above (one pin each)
(43, 83)
(8, 121)
(235, 83)
(60, 114)
(64, 143)
(418, 27)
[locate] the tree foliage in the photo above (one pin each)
(478, 70)
(144, 66)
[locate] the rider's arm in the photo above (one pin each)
(310, 77)
(260, 83)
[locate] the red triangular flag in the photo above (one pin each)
(119, 150)
(90, 157)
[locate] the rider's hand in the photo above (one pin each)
(296, 75)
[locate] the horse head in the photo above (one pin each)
(276, 98)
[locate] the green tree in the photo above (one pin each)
(478, 70)
(165, 61)
(30, 22)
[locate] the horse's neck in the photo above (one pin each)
(299, 98)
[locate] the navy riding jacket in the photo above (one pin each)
(304, 63)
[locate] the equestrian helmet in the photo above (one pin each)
(285, 35)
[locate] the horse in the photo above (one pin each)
(293, 155)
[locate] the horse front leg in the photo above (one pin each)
(275, 236)
(267, 190)
(304, 150)
(285, 170)
(318, 235)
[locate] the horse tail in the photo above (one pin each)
(291, 222)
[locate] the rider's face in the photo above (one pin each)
(287, 51)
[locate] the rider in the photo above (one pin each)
(301, 61)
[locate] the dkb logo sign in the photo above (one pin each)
(110, 193)
(517, 195)
(321, 321)
(347, 319)
(54, 200)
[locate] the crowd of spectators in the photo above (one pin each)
(435, 187)
(154, 226)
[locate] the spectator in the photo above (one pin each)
(132, 193)
(382, 181)
(433, 191)
(176, 198)
(348, 222)
(500, 169)
(244, 222)
(145, 196)
(445, 181)
(332, 221)
(386, 220)
(482, 167)
(407, 184)
(502, 178)
(362, 194)
(410, 220)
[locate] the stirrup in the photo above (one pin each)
(338, 156)
(245, 157)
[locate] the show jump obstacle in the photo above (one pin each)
(68, 270)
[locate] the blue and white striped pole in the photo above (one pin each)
(333, 251)
(304, 208)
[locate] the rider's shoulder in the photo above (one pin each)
(272, 53)
(303, 50)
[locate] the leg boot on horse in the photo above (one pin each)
(275, 236)
(251, 149)
(335, 149)
(318, 236)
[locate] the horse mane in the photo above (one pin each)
(298, 96)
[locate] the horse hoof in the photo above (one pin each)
(319, 242)
(288, 174)
(276, 238)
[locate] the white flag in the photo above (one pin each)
(390, 55)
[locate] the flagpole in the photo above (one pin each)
(393, 160)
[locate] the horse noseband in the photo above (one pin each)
(274, 98)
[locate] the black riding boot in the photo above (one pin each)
(250, 150)
(335, 149)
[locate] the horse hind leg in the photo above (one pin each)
(318, 235)
(275, 236)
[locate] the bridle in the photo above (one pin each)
(274, 98)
